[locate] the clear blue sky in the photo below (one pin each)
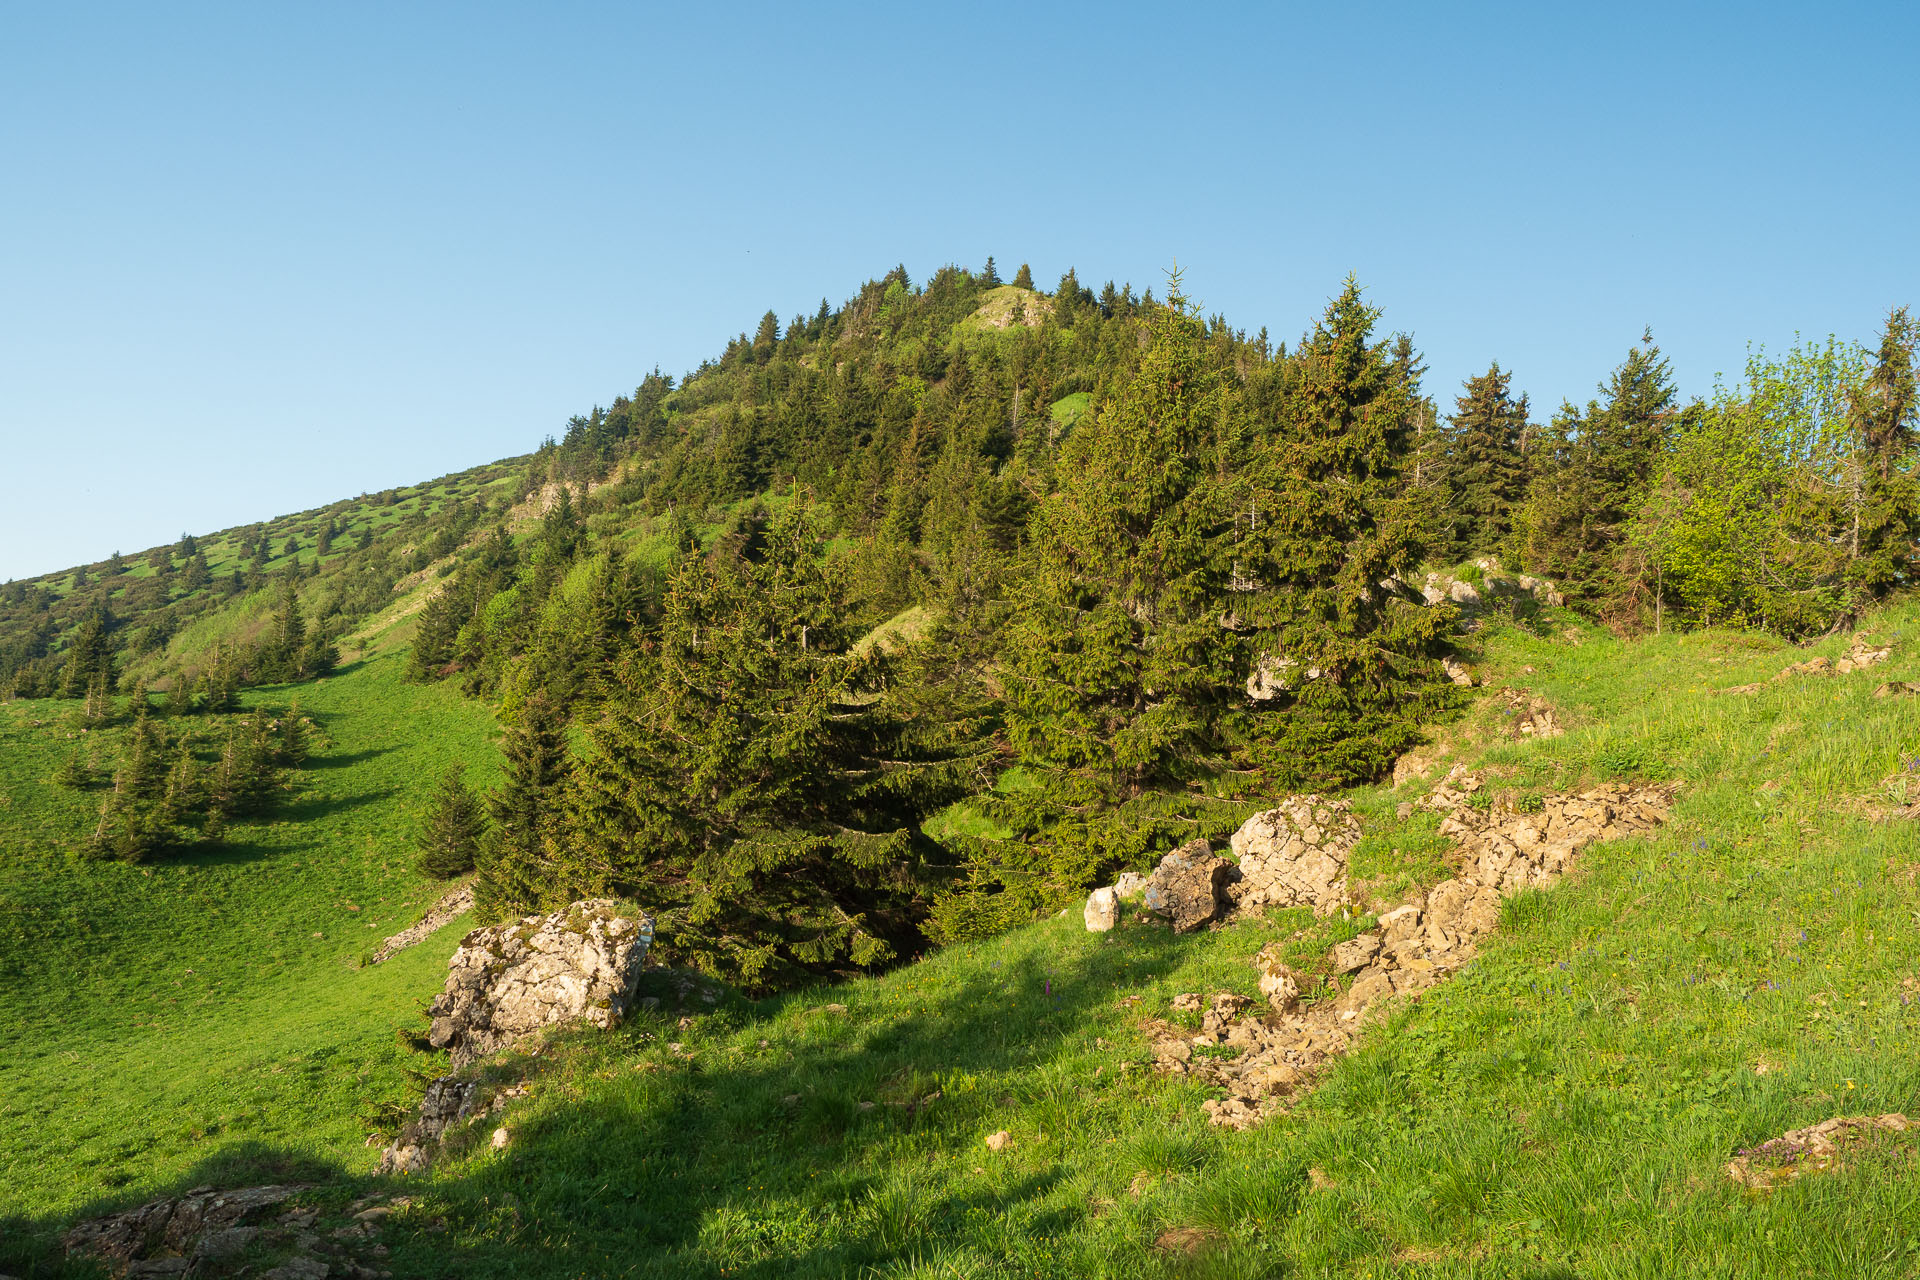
(257, 257)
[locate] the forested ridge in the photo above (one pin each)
(1106, 569)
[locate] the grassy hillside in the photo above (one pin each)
(153, 1018)
(1563, 1109)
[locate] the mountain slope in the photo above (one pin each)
(1564, 1107)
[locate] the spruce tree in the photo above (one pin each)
(1486, 471)
(1117, 669)
(759, 783)
(1340, 671)
(989, 276)
(455, 825)
(74, 772)
(1884, 502)
(516, 872)
(1023, 278)
(1595, 467)
(185, 792)
(293, 746)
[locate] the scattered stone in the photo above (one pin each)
(1189, 887)
(501, 1138)
(1295, 855)
(1897, 689)
(1353, 954)
(1859, 656)
(1130, 885)
(299, 1269)
(1273, 675)
(448, 1101)
(1410, 766)
(1278, 983)
(1457, 670)
(510, 980)
(1528, 716)
(452, 905)
(999, 1141)
(1102, 911)
(1814, 1149)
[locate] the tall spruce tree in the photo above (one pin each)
(1486, 469)
(516, 871)
(1340, 672)
(1884, 500)
(758, 783)
(1594, 469)
(1117, 669)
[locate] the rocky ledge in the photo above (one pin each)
(1273, 1052)
(508, 981)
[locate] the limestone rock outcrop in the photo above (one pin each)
(510, 980)
(1295, 855)
(174, 1234)
(1410, 948)
(1189, 887)
(507, 981)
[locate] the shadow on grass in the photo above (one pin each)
(342, 759)
(308, 807)
(846, 1143)
(852, 1145)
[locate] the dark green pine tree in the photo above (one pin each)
(1340, 672)
(989, 275)
(767, 338)
(1486, 470)
(74, 772)
(516, 872)
(220, 692)
(756, 782)
(90, 657)
(186, 787)
(1884, 499)
(1594, 468)
(179, 695)
(1023, 278)
(1117, 670)
(195, 574)
(280, 657)
(455, 825)
(295, 738)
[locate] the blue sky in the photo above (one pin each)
(256, 258)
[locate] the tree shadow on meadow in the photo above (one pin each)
(344, 759)
(748, 1166)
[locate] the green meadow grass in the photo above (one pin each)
(152, 1018)
(1564, 1108)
